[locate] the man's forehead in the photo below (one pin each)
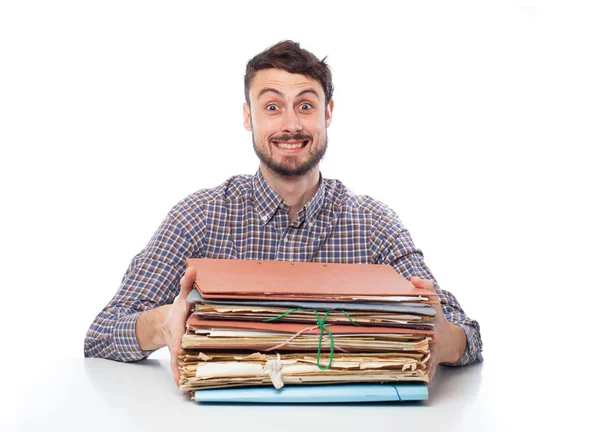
(284, 82)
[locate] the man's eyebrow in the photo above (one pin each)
(280, 94)
(267, 90)
(303, 92)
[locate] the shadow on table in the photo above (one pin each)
(144, 379)
(449, 384)
(135, 389)
(137, 392)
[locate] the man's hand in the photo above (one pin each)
(174, 325)
(450, 340)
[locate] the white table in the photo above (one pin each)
(102, 395)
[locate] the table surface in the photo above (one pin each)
(95, 394)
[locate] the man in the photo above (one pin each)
(287, 211)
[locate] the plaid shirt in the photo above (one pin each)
(245, 219)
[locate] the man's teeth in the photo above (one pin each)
(289, 146)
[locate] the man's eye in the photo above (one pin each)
(272, 107)
(306, 106)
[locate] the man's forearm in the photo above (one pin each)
(149, 328)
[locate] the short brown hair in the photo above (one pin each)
(288, 55)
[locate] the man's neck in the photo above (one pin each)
(295, 191)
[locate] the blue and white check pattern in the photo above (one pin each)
(245, 219)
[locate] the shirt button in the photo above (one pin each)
(285, 239)
(264, 217)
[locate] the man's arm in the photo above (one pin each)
(401, 253)
(149, 328)
(130, 327)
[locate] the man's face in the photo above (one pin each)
(288, 118)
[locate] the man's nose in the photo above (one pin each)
(290, 122)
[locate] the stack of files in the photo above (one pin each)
(300, 326)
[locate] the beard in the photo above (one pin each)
(289, 166)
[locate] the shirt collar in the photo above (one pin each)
(267, 201)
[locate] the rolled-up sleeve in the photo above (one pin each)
(407, 259)
(151, 280)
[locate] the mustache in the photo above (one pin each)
(288, 137)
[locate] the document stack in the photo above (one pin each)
(275, 329)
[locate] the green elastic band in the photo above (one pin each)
(322, 326)
(282, 315)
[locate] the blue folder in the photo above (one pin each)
(338, 393)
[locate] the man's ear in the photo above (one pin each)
(247, 118)
(328, 112)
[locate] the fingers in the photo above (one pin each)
(432, 363)
(434, 299)
(187, 285)
(422, 283)
(428, 285)
(174, 344)
(187, 281)
(189, 276)
(175, 367)
(432, 371)
(174, 330)
(176, 321)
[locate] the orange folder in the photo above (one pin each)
(305, 281)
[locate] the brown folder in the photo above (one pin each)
(306, 281)
(280, 327)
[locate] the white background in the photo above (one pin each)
(478, 124)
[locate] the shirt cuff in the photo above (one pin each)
(126, 346)
(472, 352)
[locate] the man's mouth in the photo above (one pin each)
(291, 144)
